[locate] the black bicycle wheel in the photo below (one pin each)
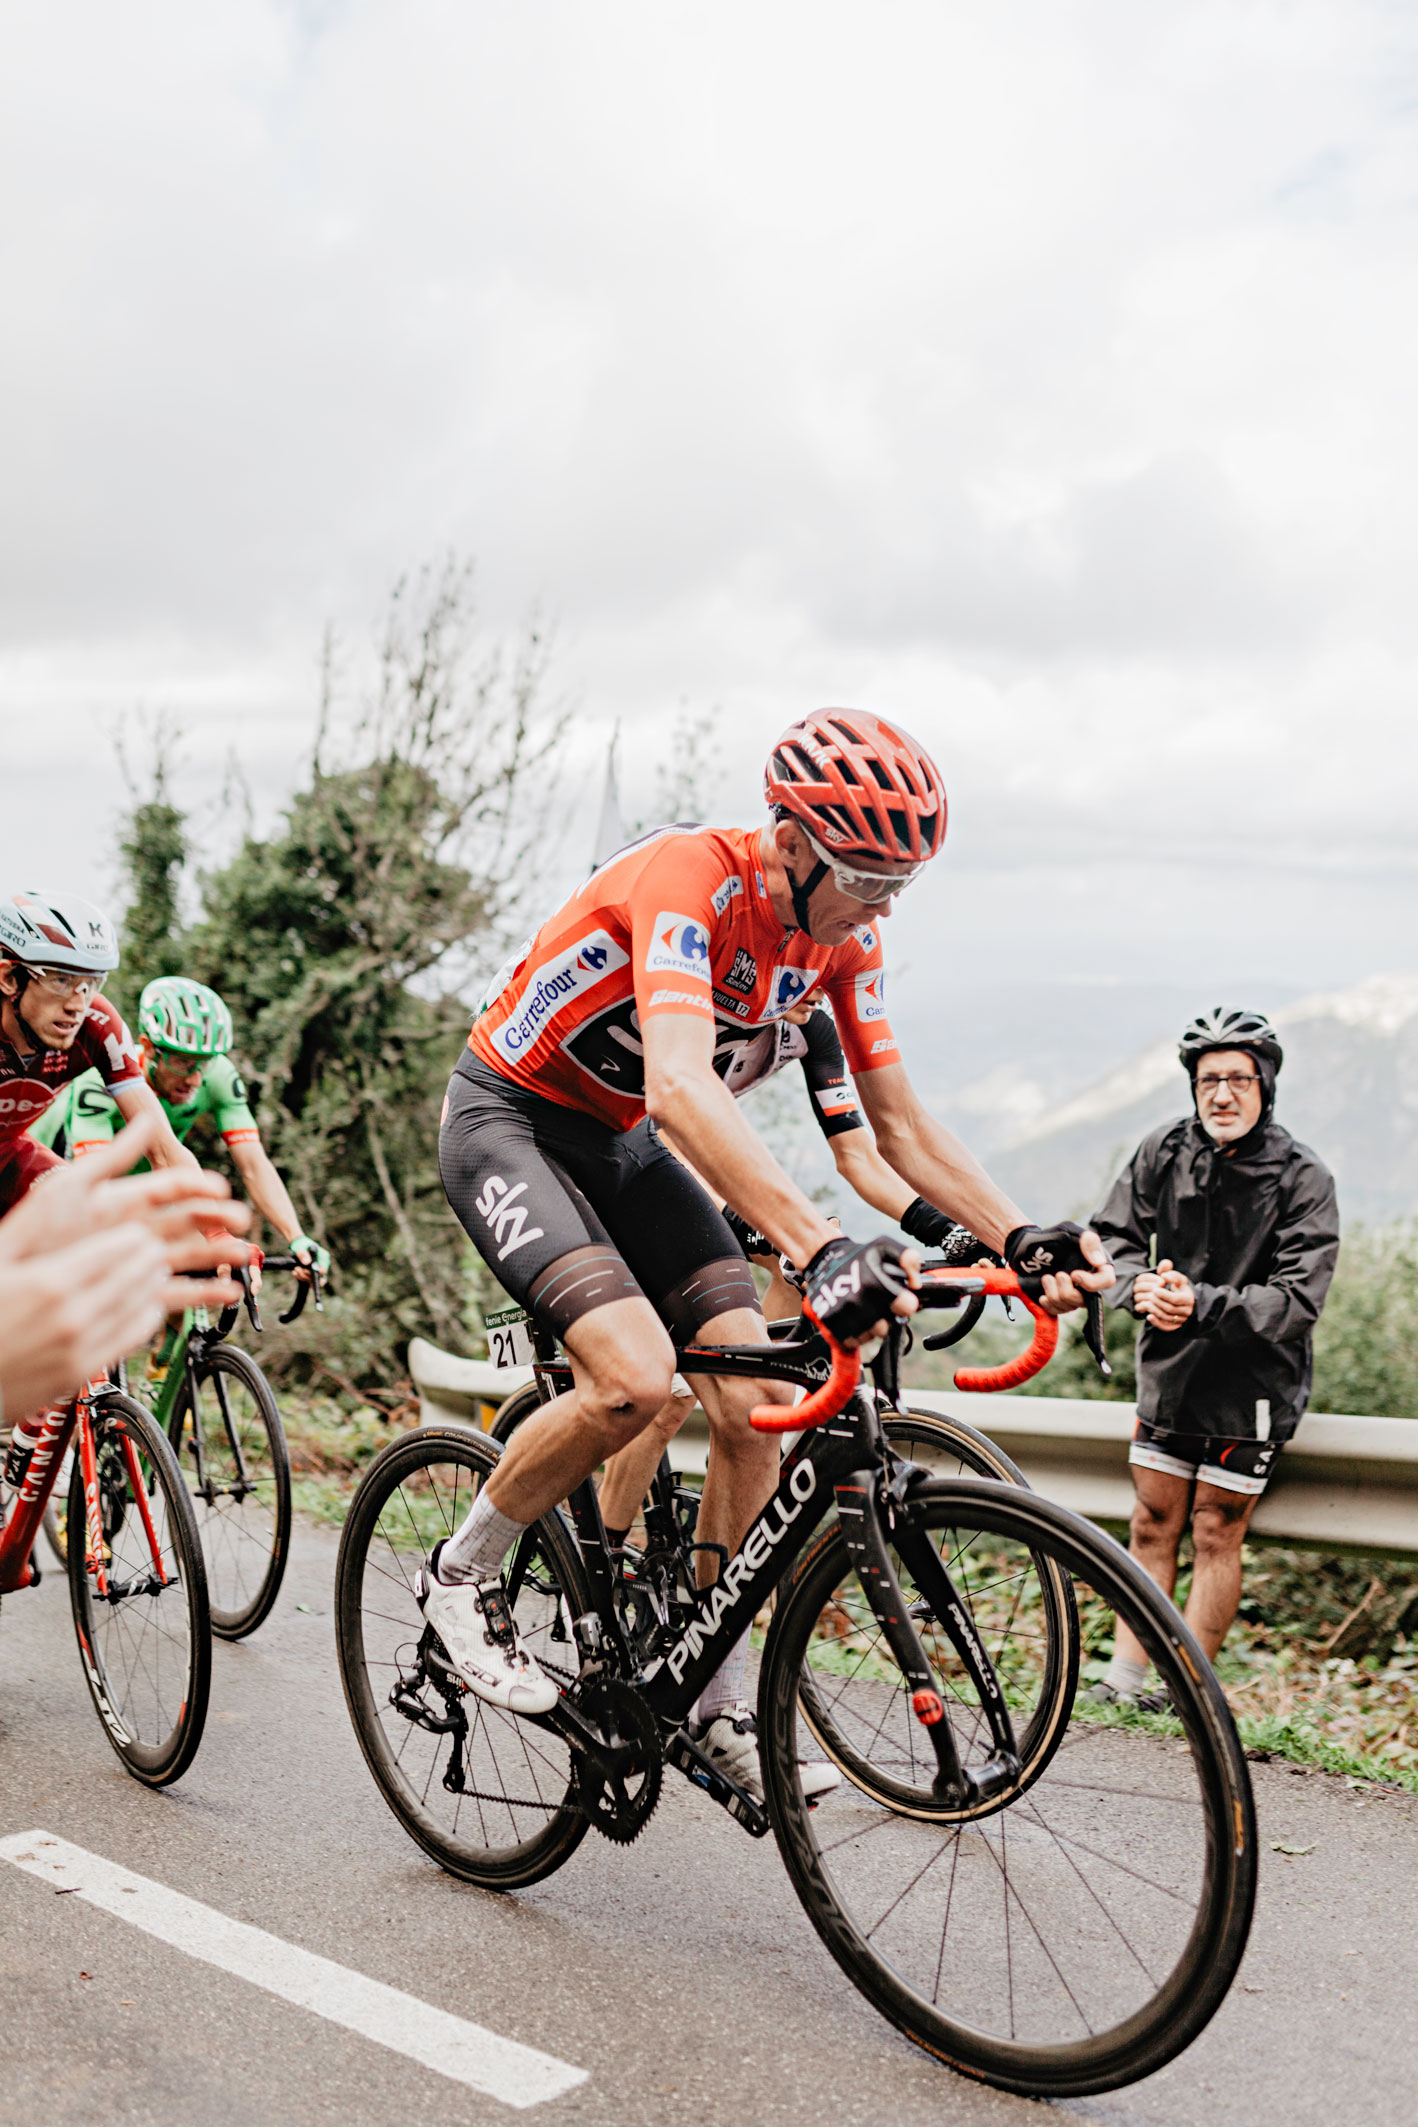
(1081, 1936)
(489, 1796)
(879, 1745)
(242, 1502)
(146, 1642)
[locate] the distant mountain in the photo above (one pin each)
(1349, 1089)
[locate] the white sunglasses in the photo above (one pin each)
(872, 887)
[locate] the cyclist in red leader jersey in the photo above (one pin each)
(619, 1008)
(56, 1024)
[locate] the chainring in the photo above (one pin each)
(621, 1805)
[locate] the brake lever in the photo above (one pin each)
(248, 1296)
(303, 1291)
(1093, 1331)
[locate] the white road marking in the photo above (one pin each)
(500, 2068)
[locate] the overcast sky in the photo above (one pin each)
(1040, 375)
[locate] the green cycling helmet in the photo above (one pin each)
(184, 1017)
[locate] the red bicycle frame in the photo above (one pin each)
(17, 1537)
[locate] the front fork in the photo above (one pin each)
(866, 1513)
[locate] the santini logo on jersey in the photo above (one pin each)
(695, 997)
(506, 1218)
(678, 946)
(725, 894)
(579, 968)
(788, 987)
(871, 997)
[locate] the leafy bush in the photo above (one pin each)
(334, 939)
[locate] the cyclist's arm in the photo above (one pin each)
(863, 1169)
(136, 1099)
(263, 1186)
(932, 1159)
(683, 1092)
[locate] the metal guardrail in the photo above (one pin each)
(1342, 1484)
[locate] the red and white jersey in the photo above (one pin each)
(681, 924)
(29, 1083)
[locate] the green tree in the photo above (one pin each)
(153, 854)
(338, 939)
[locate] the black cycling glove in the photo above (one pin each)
(934, 1230)
(1031, 1251)
(750, 1240)
(850, 1285)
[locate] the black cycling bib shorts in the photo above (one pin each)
(569, 1215)
(1231, 1464)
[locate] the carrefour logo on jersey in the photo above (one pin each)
(678, 946)
(576, 969)
(788, 986)
(871, 995)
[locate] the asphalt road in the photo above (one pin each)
(681, 1973)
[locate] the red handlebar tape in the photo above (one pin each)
(835, 1392)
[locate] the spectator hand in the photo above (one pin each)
(1163, 1297)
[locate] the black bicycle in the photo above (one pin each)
(1041, 1891)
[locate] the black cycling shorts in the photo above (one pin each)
(568, 1214)
(1215, 1458)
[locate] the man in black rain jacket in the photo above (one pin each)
(1224, 1231)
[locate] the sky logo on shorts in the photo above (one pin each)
(678, 946)
(788, 986)
(871, 995)
(551, 989)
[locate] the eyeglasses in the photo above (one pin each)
(872, 887)
(1214, 1080)
(58, 982)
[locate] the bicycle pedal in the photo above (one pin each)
(703, 1773)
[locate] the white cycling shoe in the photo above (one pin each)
(479, 1633)
(730, 1741)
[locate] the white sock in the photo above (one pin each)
(474, 1552)
(1126, 1678)
(727, 1687)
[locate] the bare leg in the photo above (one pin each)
(630, 1473)
(743, 1465)
(622, 1363)
(1158, 1519)
(1219, 1523)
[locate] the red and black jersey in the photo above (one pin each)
(28, 1083)
(679, 923)
(816, 1047)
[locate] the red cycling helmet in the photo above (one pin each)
(859, 787)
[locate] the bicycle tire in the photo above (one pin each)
(945, 1438)
(56, 1510)
(152, 1699)
(1206, 1837)
(245, 1542)
(370, 1639)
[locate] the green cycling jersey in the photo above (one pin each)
(86, 1114)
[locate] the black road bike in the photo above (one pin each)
(1042, 1892)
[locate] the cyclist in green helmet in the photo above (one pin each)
(186, 1037)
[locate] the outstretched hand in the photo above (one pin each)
(89, 1265)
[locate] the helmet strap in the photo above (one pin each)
(802, 894)
(17, 1006)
